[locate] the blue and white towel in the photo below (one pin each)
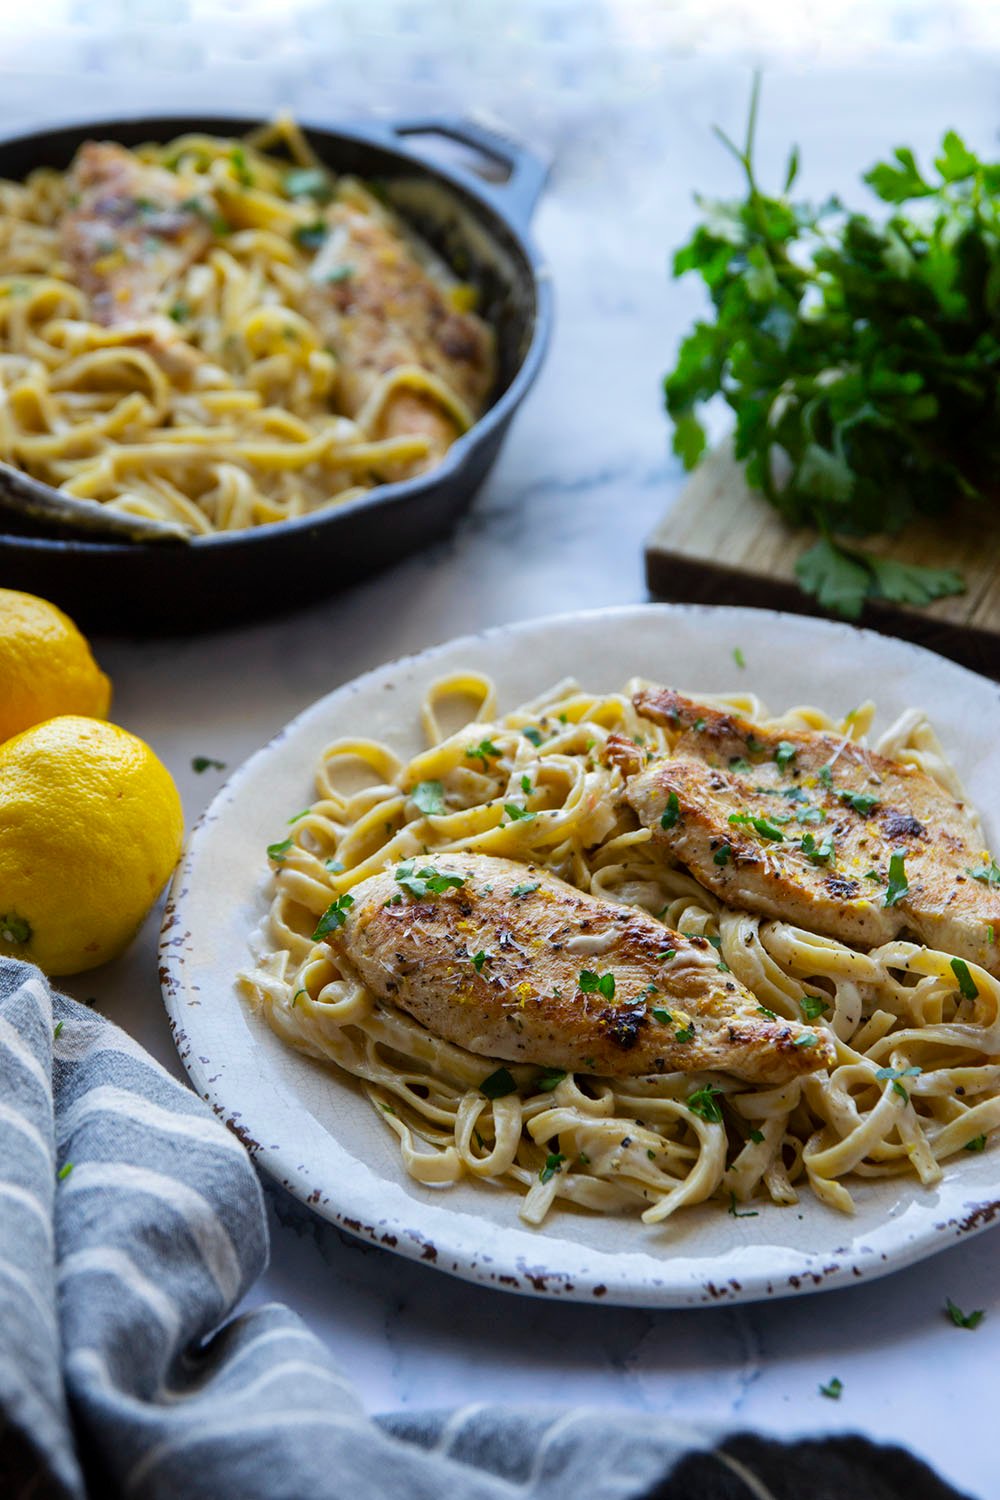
(131, 1225)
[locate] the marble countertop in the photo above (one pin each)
(560, 524)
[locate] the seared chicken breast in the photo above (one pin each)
(814, 829)
(510, 962)
(130, 231)
(378, 308)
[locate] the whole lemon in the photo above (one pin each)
(90, 828)
(46, 667)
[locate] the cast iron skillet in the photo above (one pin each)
(168, 586)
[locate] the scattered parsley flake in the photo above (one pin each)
(770, 1014)
(737, 763)
(526, 888)
(721, 855)
(978, 1143)
(861, 802)
(833, 1390)
(526, 786)
(988, 874)
(553, 1165)
(335, 866)
(663, 1016)
(426, 880)
(484, 751)
(825, 774)
(477, 961)
(698, 725)
(428, 796)
(785, 754)
(201, 763)
(532, 734)
(968, 988)
(65, 1170)
(550, 1079)
(277, 852)
(765, 829)
(518, 814)
(303, 814)
(807, 1039)
(310, 236)
(757, 1136)
(601, 984)
(335, 916)
(898, 883)
(57, 1030)
(963, 1320)
(703, 1103)
(686, 1034)
(498, 1085)
(813, 1007)
(817, 854)
(671, 813)
(741, 1213)
(739, 658)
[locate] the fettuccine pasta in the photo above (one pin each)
(916, 1080)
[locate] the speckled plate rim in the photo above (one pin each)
(269, 1095)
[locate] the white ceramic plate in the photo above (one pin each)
(309, 1128)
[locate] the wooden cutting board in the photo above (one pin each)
(722, 543)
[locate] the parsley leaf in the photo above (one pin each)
(334, 916)
(989, 874)
(477, 960)
(785, 754)
(553, 1164)
(817, 854)
(967, 986)
(518, 814)
(757, 1136)
(766, 829)
(833, 1389)
(484, 751)
(721, 855)
(550, 1079)
(862, 802)
(813, 1006)
(671, 813)
(498, 1085)
(429, 796)
(978, 1143)
(602, 984)
(277, 852)
(202, 763)
(898, 883)
(426, 881)
(961, 1319)
(526, 888)
(738, 656)
(807, 1039)
(532, 734)
(703, 1103)
(663, 1016)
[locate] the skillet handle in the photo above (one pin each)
(526, 171)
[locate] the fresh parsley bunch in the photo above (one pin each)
(860, 355)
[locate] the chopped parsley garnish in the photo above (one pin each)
(532, 734)
(698, 725)
(703, 1103)
(770, 1014)
(65, 1170)
(813, 1006)
(757, 1136)
(666, 953)
(810, 814)
(663, 1016)
(738, 657)
(334, 916)
(498, 1085)
(526, 786)
(988, 874)
(793, 793)
(526, 888)
(427, 880)
(296, 816)
(205, 762)
(601, 984)
(277, 852)
(518, 814)
(862, 802)
(429, 796)
(553, 1164)
(893, 1075)
(785, 754)
(817, 854)
(477, 961)
(807, 1039)
(244, 176)
(484, 751)
(671, 812)
(875, 876)
(898, 883)
(825, 774)
(179, 311)
(583, 1159)
(721, 855)
(833, 1390)
(57, 1032)
(961, 1319)
(310, 236)
(737, 763)
(741, 1213)
(686, 1034)
(15, 929)
(335, 866)
(760, 825)
(978, 1143)
(967, 986)
(550, 1079)
(309, 182)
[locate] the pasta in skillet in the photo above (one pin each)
(916, 1078)
(221, 334)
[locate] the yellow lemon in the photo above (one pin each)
(46, 667)
(90, 828)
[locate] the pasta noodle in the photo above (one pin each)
(223, 402)
(917, 1073)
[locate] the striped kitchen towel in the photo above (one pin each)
(131, 1225)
